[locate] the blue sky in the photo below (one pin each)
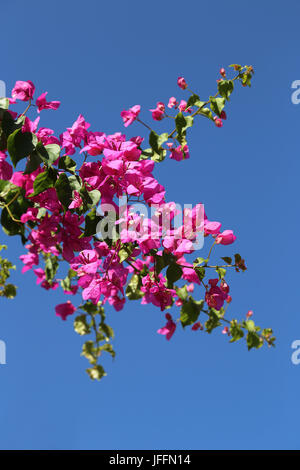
(196, 391)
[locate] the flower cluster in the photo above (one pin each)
(68, 212)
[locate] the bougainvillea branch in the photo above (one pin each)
(81, 201)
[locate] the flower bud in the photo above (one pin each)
(181, 83)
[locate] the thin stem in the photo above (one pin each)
(198, 111)
(144, 124)
(29, 104)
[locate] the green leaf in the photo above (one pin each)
(20, 145)
(107, 330)
(183, 123)
(66, 163)
(207, 113)
(236, 331)
(156, 141)
(96, 373)
(173, 274)
(133, 291)
(217, 105)
(81, 326)
(91, 222)
(53, 151)
(182, 292)
(199, 261)
(221, 272)
(253, 340)
(190, 311)
(225, 88)
(10, 291)
(200, 271)
(4, 103)
(161, 261)
(9, 226)
(8, 190)
(213, 321)
(44, 181)
(90, 198)
(64, 190)
(33, 163)
(107, 347)
(90, 352)
(236, 67)
(51, 266)
(8, 124)
(194, 100)
(227, 259)
(250, 325)
(91, 308)
(48, 153)
(125, 251)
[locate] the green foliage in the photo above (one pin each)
(225, 88)
(214, 320)
(217, 105)
(44, 181)
(156, 152)
(194, 100)
(66, 163)
(6, 290)
(51, 266)
(65, 185)
(182, 124)
(93, 321)
(173, 274)
(133, 289)
(91, 222)
(190, 311)
(20, 145)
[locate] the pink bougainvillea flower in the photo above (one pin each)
(158, 112)
(211, 227)
(197, 326)
(6, 170)
(218, 121)
(225, 331)
(30, 126)
(180, 153)
(72, 137)
(181, 83)
(215, 296)
(30, 214)
(190, 287)
(169, 329)
(43, 104)
(172, 102)
(23, 90)
(130, 115)
(30, 259)
(77, 201)
(225, 238)
(182, 106)
(223, 72)
(249, 313)
(63, 310)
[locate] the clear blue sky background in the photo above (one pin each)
(196, 391)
